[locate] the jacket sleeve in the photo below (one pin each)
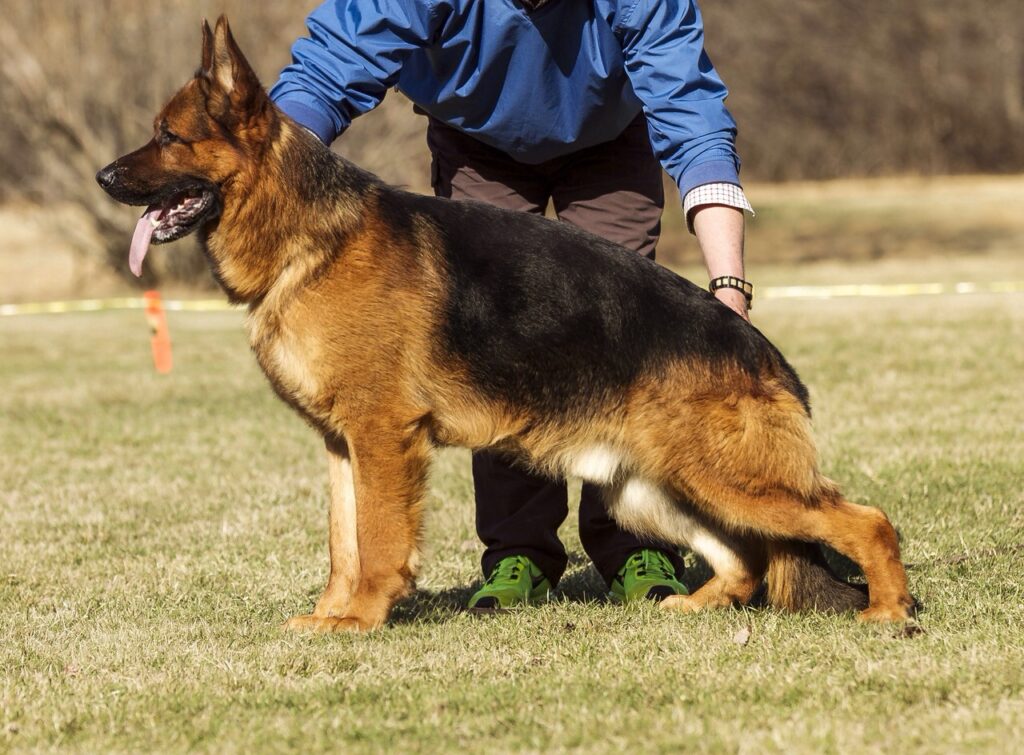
(352, 56)
(683, 98)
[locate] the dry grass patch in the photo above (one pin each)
(157, 531)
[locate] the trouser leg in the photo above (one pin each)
(518, 514)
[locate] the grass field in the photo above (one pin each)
(156, 531)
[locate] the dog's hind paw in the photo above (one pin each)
(311, 623)
(885, 614)
(682, 603)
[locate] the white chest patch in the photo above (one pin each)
(598, 464)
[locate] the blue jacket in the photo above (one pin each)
(536, 85)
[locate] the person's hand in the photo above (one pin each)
(734, 300)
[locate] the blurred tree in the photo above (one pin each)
(820, 90)
(872, 87)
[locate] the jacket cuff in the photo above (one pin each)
(311, 118)
(710, 172)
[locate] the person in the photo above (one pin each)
(579, 103)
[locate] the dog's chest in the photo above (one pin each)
(290, 364)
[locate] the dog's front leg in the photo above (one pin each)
(342, 541)
(378, 480)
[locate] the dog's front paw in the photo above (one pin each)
(313, 623)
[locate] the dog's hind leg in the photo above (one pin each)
(862, 533)
(739, 565)
(866, 535)
(750, 464)
(738, 561)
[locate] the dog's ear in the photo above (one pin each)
(225, 67)
(207, 63)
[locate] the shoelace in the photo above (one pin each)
(654, 563)
(506, 569)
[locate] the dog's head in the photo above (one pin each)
(208, 133)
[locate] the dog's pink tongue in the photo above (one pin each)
(141, 238)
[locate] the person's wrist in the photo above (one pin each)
(733, 291)
(734, 300)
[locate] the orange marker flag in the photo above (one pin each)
(157, 319)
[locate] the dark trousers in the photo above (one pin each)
(612, 190)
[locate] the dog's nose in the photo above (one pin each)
(105, 177)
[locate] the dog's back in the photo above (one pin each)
(569, 317)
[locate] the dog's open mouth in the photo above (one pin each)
(170, 220)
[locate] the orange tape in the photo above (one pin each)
(161, 340)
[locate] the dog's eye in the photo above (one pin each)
(169, 137)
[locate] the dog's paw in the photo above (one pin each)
(885, 614)
(313, 623)
(682, 603)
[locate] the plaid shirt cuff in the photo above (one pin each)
(730, 195)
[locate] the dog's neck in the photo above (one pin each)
(288, 217)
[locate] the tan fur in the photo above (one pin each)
(344, 317)
(331, 608)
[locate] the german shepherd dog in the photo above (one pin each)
(396, 323)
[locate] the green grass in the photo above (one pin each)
(156, 531)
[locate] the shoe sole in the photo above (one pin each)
(490, 610)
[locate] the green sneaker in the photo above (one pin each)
(647, 575)
(514, 581)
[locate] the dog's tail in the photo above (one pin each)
(799, 578)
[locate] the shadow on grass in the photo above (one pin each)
(580, 584)
(432, 607)
(844, 567)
